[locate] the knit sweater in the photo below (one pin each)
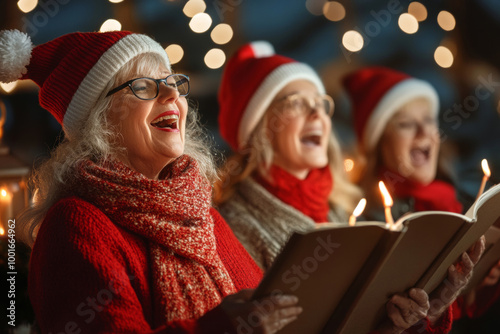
(90, 274)
(263, 223)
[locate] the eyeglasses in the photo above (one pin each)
(299, 104)
(148, 88)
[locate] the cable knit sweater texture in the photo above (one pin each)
(89, 274)
(263, 223)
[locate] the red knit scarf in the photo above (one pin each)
(173, 214)
(309, 196)
(438, 195)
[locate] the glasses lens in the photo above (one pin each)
(179, 82)
(144, 88)
(327, 104)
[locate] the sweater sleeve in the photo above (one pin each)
(82, 278)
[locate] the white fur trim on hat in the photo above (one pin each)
(262, 49)
(393, 100)
(270, 87)
(98, 77)
(15, 54)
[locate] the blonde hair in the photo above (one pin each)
(95, 141)
(258, 157)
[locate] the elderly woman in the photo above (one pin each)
(396, 123)
(125, 239)
(287, 174)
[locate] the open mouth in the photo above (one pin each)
(312, 138)
(420, 155)
(166, 122)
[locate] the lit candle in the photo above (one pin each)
(487, 174)
(5, 205)
(387, 204)
(357, 211)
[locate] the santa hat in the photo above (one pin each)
(376, 94)
(251, 79)
(71, 70)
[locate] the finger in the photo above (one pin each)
(276, 326)
(467, 264)
(420, 297)
(477, 249)
(394, 314)
(285, 300)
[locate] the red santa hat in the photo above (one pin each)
(376, 94)
(71, 70)
(251, 79)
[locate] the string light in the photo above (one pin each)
(352, 41)
(418, 10)
(222, 33)
(315, 7)
(175, 53)
(334, 11)
(27, 6)
(215, 58)
(446, 20)
(193, 7)
(111, 25)
(408, 23)
(443, 57)
(201, 22)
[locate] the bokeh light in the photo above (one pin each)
(443, 57)
(418, 10)
(201, 22)
(110, 25)
(334, 11)
(27, 6)
(8, 87)
(446, 20)
(408, 23)
(175, 53)
(215, 58)
(222, 33)
(352, 41)
(193, 7)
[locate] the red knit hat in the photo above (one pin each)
(251, 79)
(376, 94)
(71, 70)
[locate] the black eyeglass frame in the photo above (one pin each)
(158, 81)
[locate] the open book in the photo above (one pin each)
(345, 275)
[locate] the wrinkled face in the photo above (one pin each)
(299, 128)
(151, 131)
(410, 142)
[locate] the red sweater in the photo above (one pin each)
(90, 274)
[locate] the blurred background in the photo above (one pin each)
(451, 44)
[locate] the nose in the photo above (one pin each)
(167, 94)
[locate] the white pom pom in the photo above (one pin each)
(262, 49)
(15, 54)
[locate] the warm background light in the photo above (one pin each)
(115, 1)
(27, 6)
(408, 23)
(418, 10)
(334, 11)
(110, 25)
(215, 58)
(193, 7)
(352, 41)
(315, 7)
(201, 22)
(8, 87)
(443, 57)
(175, 53)
(348, 165)
(446, 20)
(222, 33)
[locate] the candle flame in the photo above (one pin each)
(2, 231)
(360, 207)
(3, 192)
(486, 168)
(385, 194)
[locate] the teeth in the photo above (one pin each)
(164, 118)
(313, 133)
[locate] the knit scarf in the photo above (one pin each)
(309, 196)
(437, 195)
(173, 215)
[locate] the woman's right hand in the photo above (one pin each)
(267, 315)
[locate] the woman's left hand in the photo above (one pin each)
(459, 275)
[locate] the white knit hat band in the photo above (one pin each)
(98, 77)
(269, 88)
(393, 100)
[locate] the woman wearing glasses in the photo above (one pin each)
(124, 236)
